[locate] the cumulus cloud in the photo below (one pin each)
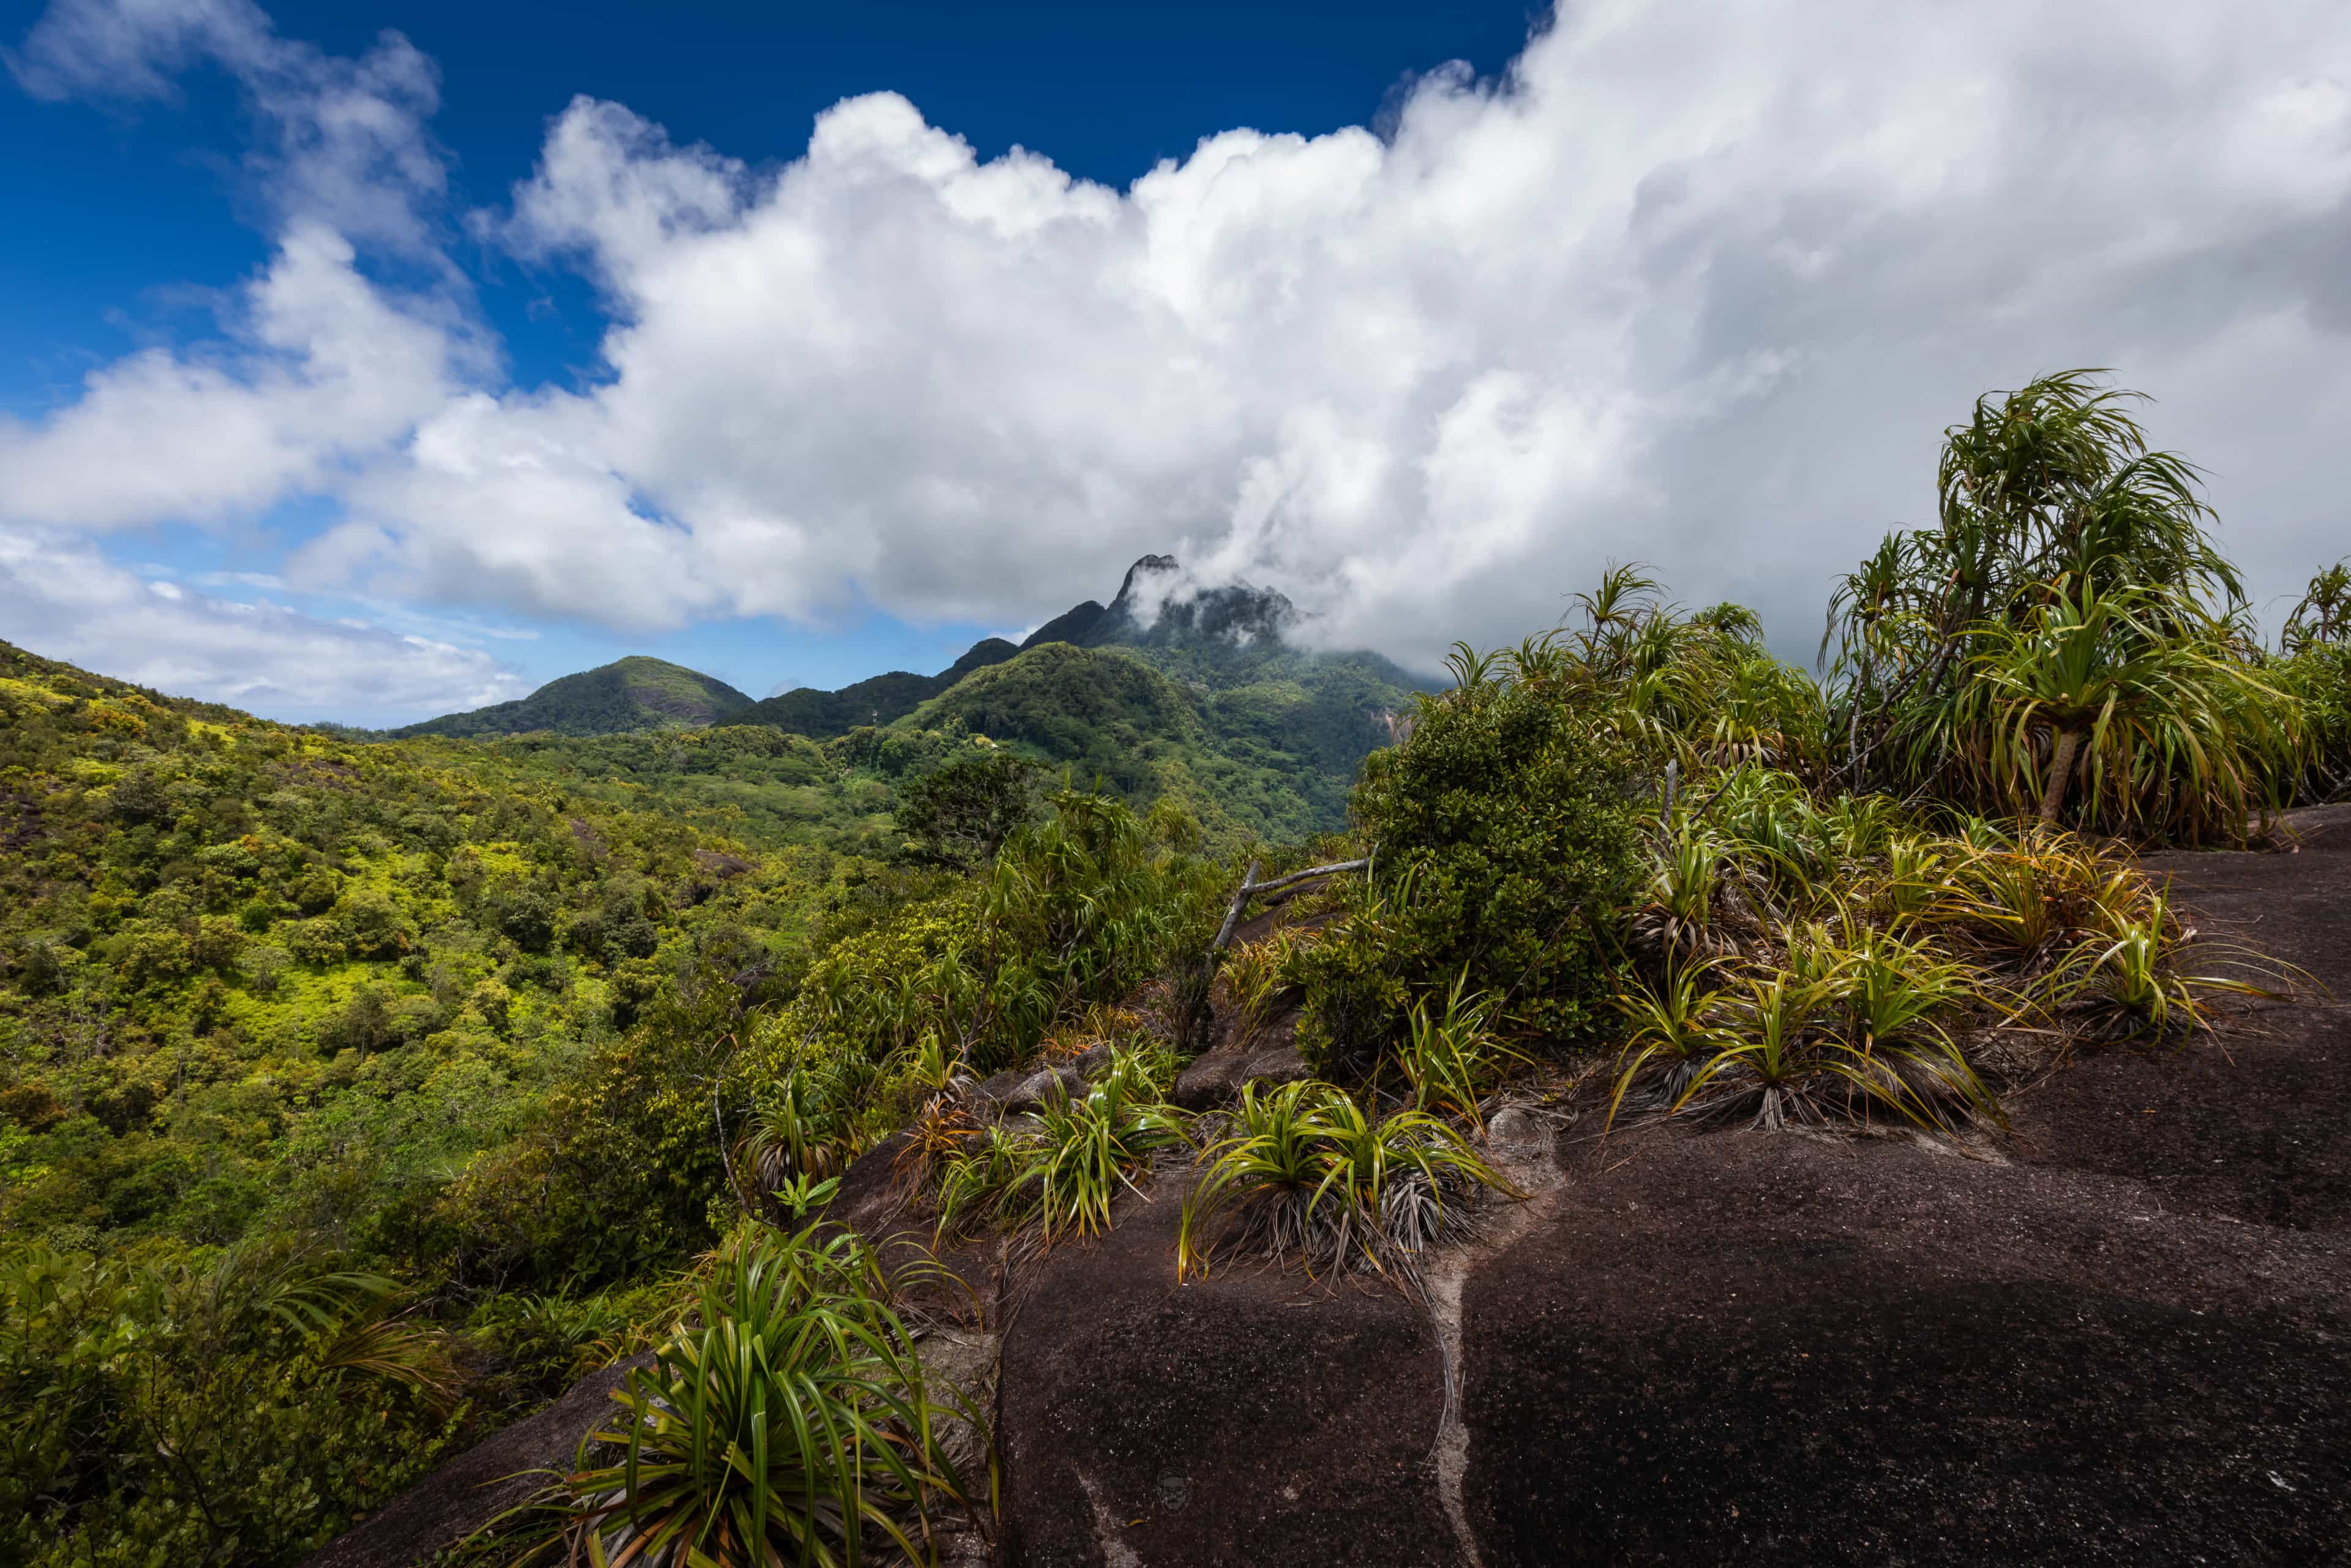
(322, 373)
(1695, 285)
(320, 369)
(61, 599)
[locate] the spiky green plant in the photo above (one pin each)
(2323, 615)
(1912, 877)
(799, 1131)
(1066, 1169)
(2070, 612)
(1676, 1029)
(790, 1420)
(1087, 1150)
(1687, 872)
(1256, 975)
(1303, 1171)
(2125, 978)
(1451, 1058)
(1794, 1059)
(2168, 727)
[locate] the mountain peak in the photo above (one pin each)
(1159, 602)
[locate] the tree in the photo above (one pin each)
(961, 813)
(2123, 688)
(2070, 597)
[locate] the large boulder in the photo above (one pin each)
(2124, 1336)
(1255, 1416)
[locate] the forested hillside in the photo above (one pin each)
(273, 1002)
(1199, 696)
(1270, 751)
(631, 693)
(882, 699)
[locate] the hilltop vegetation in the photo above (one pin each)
(883, 699)
(1269, 753)
(356, 1095)
(1201, 698)
(631, 694)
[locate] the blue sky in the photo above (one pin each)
(369, 360)
(133, 214)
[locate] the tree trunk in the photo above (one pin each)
(2061, 768)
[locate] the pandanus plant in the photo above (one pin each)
(2136, 688)
(788, 1420)
(2060, 613)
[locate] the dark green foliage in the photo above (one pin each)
(1108, 714)
(631, 694)
(880, 700)
(1261, 741)
(959, 814)
(2069, 627)
(1506, 843)
(238, 1407)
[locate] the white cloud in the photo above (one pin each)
(59, 598)
(322, 370)
(319, 367)
(1698, 284)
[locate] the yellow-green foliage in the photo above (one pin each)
(253, 975)
(967, 977)
(1803, 960)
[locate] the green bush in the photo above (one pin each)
(960, 814)
(1506, 843)
(204, 1406)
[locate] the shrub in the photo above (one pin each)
(960, 814)
(1506, 843)
(317, 941)
(790, 1420)
(1067, 1172)
(1304, 1173)
(1450, 1058)
(231, 1407)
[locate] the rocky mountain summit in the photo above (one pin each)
(1158, 606)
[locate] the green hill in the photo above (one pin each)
(1268, 751)
(883, 699)
(631, 694)
(1168, 687)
